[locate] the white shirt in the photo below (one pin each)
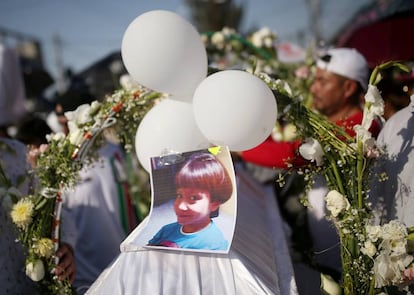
(91, 220)
(398, 190)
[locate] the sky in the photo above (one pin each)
(89, 30)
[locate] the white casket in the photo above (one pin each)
(258, 261)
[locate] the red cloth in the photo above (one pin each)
(279, 154)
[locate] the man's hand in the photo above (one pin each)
(66, 269)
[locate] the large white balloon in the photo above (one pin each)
(234, 108)
(164, 52)
(168, 126)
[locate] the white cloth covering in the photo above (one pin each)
(257, 263)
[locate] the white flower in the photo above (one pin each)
(374, 106)
(329, 286)
(336, 203)
(277, 133)
(289, 132)
(75, 134)
(263, 38)
(95, 107)
(218, 40)
(312, 150)
(369, 249)
(362, 133)
(373, 95)
(268, 42)
(128, 83)
(81, 115)
(389, 270)
(35, 270)
(394, 230)
(284, 85)
(58, 136)
(228, 31)
(373, 232)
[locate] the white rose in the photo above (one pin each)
(35, 270)
(312, 150)
(336, 203)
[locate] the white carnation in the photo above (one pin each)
(336, 203)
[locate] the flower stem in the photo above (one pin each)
(360, 172)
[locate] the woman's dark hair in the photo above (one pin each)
(205, 171)
(33, 130)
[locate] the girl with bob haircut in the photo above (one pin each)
(202, 185)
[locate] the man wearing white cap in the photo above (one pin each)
(340, 81)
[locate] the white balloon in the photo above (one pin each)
(234, 108)
(165, 53)
(168, 126)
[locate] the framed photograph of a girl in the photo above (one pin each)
(193, 202)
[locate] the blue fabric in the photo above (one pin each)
(170, 235)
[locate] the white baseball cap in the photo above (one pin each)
(347, 62)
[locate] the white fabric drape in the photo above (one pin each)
(258, 261)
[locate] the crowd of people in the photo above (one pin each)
(93, 211)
